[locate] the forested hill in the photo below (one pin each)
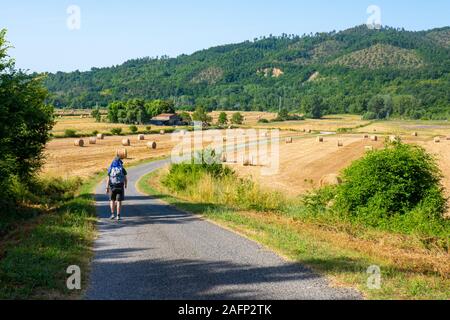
(345, 69)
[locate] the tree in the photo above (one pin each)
(313, 107)
(237, 118)
(157, 107)
(185, 117)
(200, 115)
(223, 119)
(96, 114)
(133, 129)
(381, 106)
(25, 124)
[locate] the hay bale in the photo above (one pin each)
(374, 138)
(448, 138)
(225, 139)
(162, 132)
(79, 143)
(366, 136)
(122, 153)
(368, 148)
(141, 137)
(126, 142)
(152, 145)
(289, 140)
(308, 131)
(319, 139)
(437, 139)
(330, 180)
(415, 134)
(93, 140)
(340, 143)
(246, 162)
(100, 136)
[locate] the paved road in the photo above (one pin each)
(159, 253)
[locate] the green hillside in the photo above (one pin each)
(408, 70)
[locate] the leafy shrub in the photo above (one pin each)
(70, 133)
(133, 129)
(116, 131)
(187, 174)
(95, 132)
(263, 120)
(400, 182)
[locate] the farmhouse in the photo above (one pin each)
(166, 119)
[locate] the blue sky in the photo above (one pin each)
(114, 31)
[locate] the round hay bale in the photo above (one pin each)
(309, 131)
(448, 138)
(152, 145)
(374, 138)
(79, 143)
(122, 153)
(319, 139)
(100, 136)
(368, 148)
(246, 162)
(340, 143)
(141, 137)
(93, 140)
(162, 132)
(330, 180)
(415, 134)
(437, 140)
(126, 142)
(289, 140)
(366, 136)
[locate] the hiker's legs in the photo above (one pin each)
(119, 208)
(112, 206)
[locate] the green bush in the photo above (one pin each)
(184, 175)
(69, 133)
(133, 129)
(263, 120)
(116, 131)
(396, 184)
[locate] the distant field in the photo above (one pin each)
(407, 127)
(87, 125)
(328, 123)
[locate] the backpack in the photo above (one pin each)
(116, 176)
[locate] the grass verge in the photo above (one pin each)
(343, 253)
(35, 256)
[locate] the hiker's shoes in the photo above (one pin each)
(118, 218)
(112, 217)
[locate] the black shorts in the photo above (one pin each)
(117, 194)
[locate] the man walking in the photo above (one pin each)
(116, 184)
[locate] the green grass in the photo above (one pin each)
(329, 253)
(34, 258)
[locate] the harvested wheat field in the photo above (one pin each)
(88, 125)
(305, 162)
(63, 159)
(250, 118)
(328, 123)
(409, 128)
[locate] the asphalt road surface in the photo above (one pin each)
(158, 253)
